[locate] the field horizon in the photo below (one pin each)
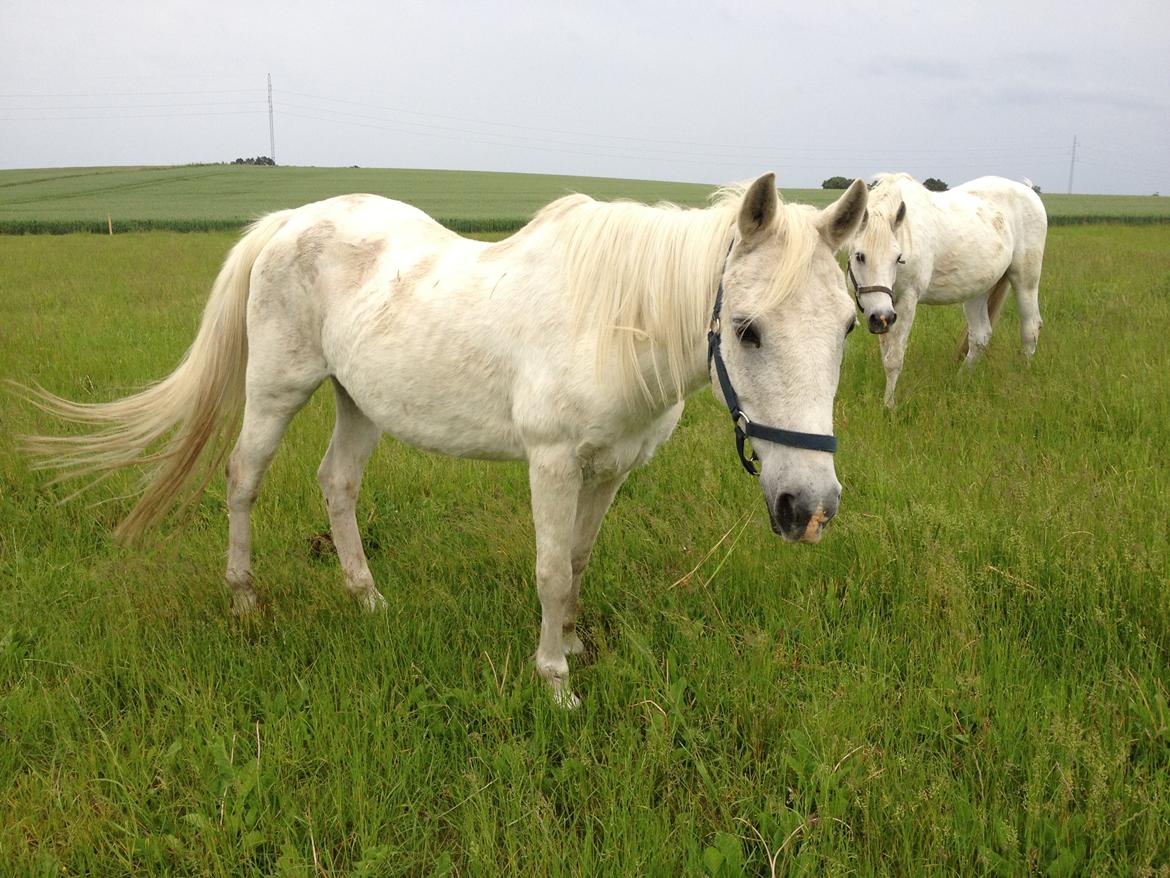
(208, 197)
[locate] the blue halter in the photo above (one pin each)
(745, 427)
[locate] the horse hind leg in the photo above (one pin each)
(1027, 285)
(992, 304)
(340, 476)
(267, 414)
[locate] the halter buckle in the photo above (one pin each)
(742, 421)
(715, 325)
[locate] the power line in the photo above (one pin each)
(130, 106)
(674, 142)
(492, 138)
(125, 94)
(136, 116)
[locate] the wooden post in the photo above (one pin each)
(110, 223)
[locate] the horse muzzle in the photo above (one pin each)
(799, 521)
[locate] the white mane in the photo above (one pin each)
(886, 187)
(643, 278)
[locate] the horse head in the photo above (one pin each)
(784, 299)
(874, 257)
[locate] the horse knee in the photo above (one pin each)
(241, 493)
(339, 490)
(553, 576)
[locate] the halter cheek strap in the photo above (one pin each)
(745, 427)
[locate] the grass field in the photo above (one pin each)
(969, 675)
(203, 197)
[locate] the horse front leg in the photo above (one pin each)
(554, 477)
(592, 504)
(894, 344)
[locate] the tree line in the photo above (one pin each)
(932, 183)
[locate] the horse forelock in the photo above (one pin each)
(886, 196)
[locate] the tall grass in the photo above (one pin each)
(969, 675)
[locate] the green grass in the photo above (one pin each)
(210, 197)
(969, 674)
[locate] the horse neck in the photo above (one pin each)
(643, 282)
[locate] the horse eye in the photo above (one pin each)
(746, 332)
(861, 258)
(901, 259)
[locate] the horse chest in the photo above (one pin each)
(602, 461)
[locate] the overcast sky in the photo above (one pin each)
(707, 92)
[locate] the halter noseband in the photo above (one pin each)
(859, 291)
(745, 427)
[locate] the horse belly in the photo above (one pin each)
(971, 265)
(446, 410)
(429, 385)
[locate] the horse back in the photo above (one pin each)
(1017, 202)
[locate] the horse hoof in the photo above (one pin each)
(371, 600)
(245, 603)
(565, 699)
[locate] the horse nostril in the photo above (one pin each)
(786, 511)
(881, 323)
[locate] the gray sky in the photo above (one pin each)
(705, 92)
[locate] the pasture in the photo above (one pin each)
(968, 675)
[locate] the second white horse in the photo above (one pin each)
(963, 246)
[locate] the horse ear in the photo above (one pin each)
(759, 207)
(901, 215)
(842, 219)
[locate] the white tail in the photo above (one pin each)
(200, 401)
(994, 305)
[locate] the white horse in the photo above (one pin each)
(938, 248)
(570, 345)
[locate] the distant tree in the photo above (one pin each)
(836, 183)
(1036, 188)
(935, 185)
(258, 160)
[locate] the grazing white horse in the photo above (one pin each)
(939, 248)
(570, 345)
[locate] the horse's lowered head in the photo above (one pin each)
(874, 257)
(779, 337)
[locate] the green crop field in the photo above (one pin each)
(204, 197)
(226, 196)
(969, 675)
